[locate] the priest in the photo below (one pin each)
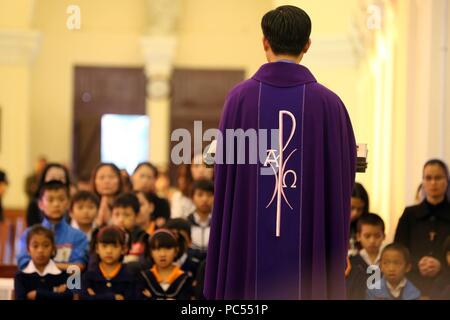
(280, 225)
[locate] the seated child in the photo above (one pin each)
(83, 211)
(395, 263)
(200, 220)
(41, 279)
(71, 244)
(187, 261)
(124, 213)
(165, 280)
(370, 235)
(109, 279)
(441, 286)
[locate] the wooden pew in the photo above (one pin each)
(10, 231)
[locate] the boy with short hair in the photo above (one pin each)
(370, 234)
(124, 213)
(83, 212)
(71, 244)
(395, 264)
(200, 219)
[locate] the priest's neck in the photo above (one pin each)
(284, 58)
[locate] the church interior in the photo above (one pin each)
(84, 82)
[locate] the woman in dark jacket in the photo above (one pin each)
(441, 286)
(423, 228)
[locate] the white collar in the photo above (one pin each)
(50, 268)
(75, 225)
(203, 224)
(365, 256)
(182, 260)
(398, 290)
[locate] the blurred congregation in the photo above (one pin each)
(135, 207)
(157, 231)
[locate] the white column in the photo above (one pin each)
(159, 53)
(380, 118)
(428, 105)
(158, 47)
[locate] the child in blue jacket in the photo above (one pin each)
(71, 244)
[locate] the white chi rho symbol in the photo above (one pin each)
(278, 164)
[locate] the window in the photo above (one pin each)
(124, 140)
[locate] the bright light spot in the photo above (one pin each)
(124, 140)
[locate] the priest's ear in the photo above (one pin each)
(306, 47)
(266, 44)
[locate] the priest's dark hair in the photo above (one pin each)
(287, 28)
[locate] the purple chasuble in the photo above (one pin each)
(280, 226)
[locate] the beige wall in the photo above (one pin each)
(327, 16)
(37, 98)
(16, 14)
(109, 35)
(36, 95)
(15, 130)
(221, 34)
(212, 34)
